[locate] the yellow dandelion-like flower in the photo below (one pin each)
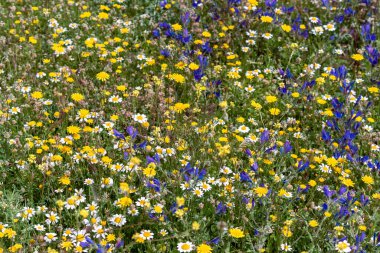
(286, 28)
(204, 248)
(138, 238)
(348, 182)
(193, 66)
(177, 27)
(86, 14)
(73, 129)
(266, 19)
(77, 97)
(274, 111)
(103, 15)
(102, 76)
(124, 202)
(180, 107)
(271, 99)
(15, 247)
(32, 40)
(261, 191)
(286, 231)
(236, 232)
(357, 57)
(206, 34)
(313, 223)
(149, 172)
(368, 179)
(66, 245)
(256, 105)
(37, 95)
(178, 78)
(65, 180)
(373, 89)
(253, 2)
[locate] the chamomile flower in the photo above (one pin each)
(185, 247)
(115, 99)
(39, 227)
(243, 129)
(118, 220)
(92, 208)
(133, 211)
(204, 186)
(71, 203)
(25, 89)
(51, 218)
(318, 30)
(267, 36)
(50, 237)
(141, 57)
(163, 232)
(250, 42)
(251, 33)
(141, 118)
(106, 182)
(14, 110)
(88, 181)
(343, 247)
(285, 247)
(329, 27)
(325, 168)
(99, 231)
(249, 89)
(225, 170)
(314, 20)
(146, 234)
(198, 192)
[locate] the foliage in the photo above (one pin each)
(189, 126)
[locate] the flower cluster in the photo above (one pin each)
(189, 126)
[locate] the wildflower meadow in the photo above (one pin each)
(202, 126)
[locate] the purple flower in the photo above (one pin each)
(221, 209)
(326, 135)
(303, 166)
(118, 134)
(119, 244)
(185, 18)
(132, 132)
(328, 193)
(372, 55)
(287, 147)
(216, 240)
(271, 3)
(244, 177)
(264, 136)
(155, 184)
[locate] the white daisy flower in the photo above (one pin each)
(115, 99)
(52, 218)
(243, 129)
(285, 247)
(185, 247)
(198, 192)
(343, 247)
(50, 237)
(141, 118)
(118, 220)
(267, 36)
(314, 20)
(147, 234)
(39, 227)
